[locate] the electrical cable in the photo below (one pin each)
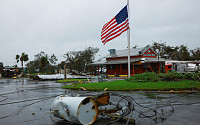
(129, 101)
(157, 116)
(5, 98)
(155, 110)
(13, 114)
(19, 110)
(28, 100)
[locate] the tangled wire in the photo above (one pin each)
(125, 108)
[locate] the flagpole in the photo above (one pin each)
(128, 38)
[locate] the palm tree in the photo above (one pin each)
(23, 58)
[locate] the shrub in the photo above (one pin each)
(188, 76)
(192, 76)
(171, 76)
(145, 77)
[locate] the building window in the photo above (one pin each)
(111, 66)
(171, 67)
(124, 66)
(136, 67)
(148, 54)
(146, 66)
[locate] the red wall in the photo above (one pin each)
(149, 53)
(168, 68)
(138, 69)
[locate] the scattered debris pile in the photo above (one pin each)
(89, 109)
(61, 76)
(81, 110)
(108, 108)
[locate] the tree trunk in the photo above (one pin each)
(65, 71)
(43, 69)
(22, 68)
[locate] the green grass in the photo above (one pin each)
(124, 85)
(70, 80)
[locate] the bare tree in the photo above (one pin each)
(76, 60)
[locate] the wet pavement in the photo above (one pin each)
(27, 102)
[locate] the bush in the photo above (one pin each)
(171, 76)
(188, 76)
(145, 77)
(192, 76)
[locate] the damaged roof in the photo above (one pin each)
(133, 52)
(124, 53)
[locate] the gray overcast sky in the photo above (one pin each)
(59, 26)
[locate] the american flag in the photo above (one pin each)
(116, 26)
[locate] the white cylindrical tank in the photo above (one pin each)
(81, 110)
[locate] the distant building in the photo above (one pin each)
(10, 71)
(142, 60)
(13, 68)
(182, 66)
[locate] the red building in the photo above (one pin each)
(142, 60)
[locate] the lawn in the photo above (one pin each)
(124, 85)
(70, 80)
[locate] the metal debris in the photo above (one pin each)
(81, 110)
(87, 110)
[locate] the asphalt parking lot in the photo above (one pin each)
(27, 102)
